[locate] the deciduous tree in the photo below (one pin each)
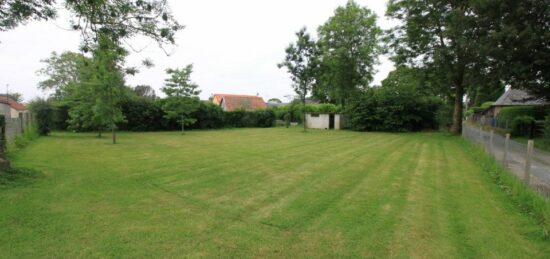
(438, 34)
(301, 63)
(350, 45)
(182, 96)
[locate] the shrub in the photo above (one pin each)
(142, 114)
(508, 114)
(22, 140)
(382, 109)
(444, 116)
(521, 126)
(209, 116)
(43, 112)
(486, 105)
(249, 119)
(60, 116)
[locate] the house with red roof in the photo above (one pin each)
(12, 109)
(233, 102)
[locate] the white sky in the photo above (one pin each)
(233, 45)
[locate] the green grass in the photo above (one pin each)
(263, 193)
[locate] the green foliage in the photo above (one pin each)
(95, 100)
(484, 92)
(142, 114)
(43, 112)
(61, 116)
(508, 114)
(209, 116)
(122, 19)
(383, 109)
(521, 126)
(486, 105)
(15, 12)
(444, 116)
(445, 40)
(546, 129)
(517, 43)
(22, 140)
(249, 119)
(349, 47)
(62, 72)
(182, 99)
(301, 61)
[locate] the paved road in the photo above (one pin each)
(540, 165)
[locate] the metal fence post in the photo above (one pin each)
(528, 158)
(506, 146)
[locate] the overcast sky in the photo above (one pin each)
(233, 45)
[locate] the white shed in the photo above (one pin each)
(324, 120)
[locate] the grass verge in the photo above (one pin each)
(524, 197)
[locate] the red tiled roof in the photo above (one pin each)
(12, 103)
(232, 102)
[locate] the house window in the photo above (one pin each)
(315, 115)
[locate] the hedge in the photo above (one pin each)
(508, 114)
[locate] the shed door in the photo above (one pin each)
(331, 121)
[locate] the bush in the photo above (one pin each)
(22, 140)
(521, 126)
(486, 105)
(381, 109)
(508, 114)
(209, 116)
(43, 112)
(60, 116)
(142, 114)
(444, 116)
(249, 119)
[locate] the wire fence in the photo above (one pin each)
(527, 163)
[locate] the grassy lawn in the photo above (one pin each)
(260, 193)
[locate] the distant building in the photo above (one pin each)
(324, 121)
(514, 97)
(11, 109)
(233, 102)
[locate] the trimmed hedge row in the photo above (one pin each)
(508, 114)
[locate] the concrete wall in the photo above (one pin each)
(322, 121)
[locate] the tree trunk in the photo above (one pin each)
(304, 114)
(113, 128)
(456, 128)
(182, 125)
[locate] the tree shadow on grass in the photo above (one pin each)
(16, 177)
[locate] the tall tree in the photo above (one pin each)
(61, 72)
(145, 91)
(439, 34)
(350, 46)
(300, 61)
(107, 70)
(517, 40)
(182, 96)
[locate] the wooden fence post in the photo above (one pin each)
(506, 146)
(528, 158)
(481, 134)
(491, 141)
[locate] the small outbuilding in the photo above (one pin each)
(324, 121)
